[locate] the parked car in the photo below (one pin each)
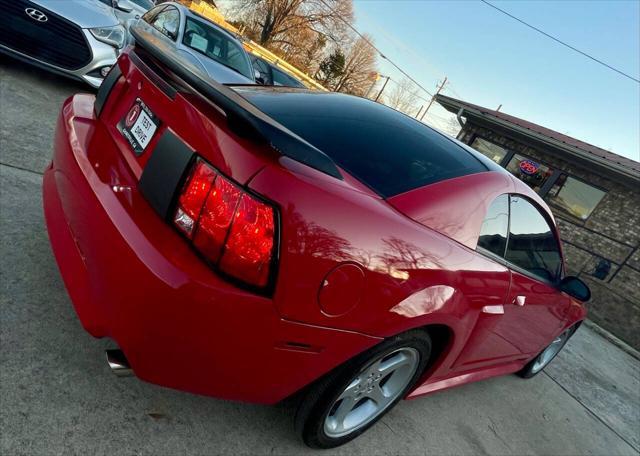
(200, 42)
(270, 74)
(129, 11)
(77, 38)
(255, 243)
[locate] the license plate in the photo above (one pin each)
(138, 126)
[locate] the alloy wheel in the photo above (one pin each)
(550, 352)
(371, 392)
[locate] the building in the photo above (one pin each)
(594, 195)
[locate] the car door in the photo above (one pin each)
(533, 255)
(486, 344)
(516, 234)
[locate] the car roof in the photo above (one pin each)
(388, 151)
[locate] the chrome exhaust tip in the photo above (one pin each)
(118, 363)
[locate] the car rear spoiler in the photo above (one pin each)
(242, 116)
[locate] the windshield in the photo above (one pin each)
(216, 45)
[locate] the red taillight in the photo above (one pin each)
(216, 218)
(193, 197)
(231, 228)
(250, 243)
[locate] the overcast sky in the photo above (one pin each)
(491, 59)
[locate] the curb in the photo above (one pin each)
(613, 339)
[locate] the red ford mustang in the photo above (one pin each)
(253, 243)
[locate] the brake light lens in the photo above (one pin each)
(216, 218)
(193, 197)
(232, 229)
(250, 242)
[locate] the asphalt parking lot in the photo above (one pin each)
(57, 395)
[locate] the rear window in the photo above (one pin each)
(386, 150)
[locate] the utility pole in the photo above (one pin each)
(419, 111)
(376, 78)
(366, 95)
(382, 89)
(434, 97)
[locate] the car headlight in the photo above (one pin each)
(110, 35)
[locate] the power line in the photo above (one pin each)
(416, 96)
(433, 98)
(557, 40)
(376, 49)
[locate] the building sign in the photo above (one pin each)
(529, 167)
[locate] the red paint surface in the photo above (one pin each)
(134, 278)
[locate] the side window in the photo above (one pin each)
(532, 244)
(167, 22)
(152, 13)
(493, 234)
(263, 69)
(282, 79)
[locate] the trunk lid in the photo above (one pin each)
(146, 92)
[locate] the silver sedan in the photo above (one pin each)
(199, 42)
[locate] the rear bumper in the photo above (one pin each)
(133, 279)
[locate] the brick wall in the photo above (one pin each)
(612, 233)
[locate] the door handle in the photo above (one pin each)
(493, 310)
(519, 300)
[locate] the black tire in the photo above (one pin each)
(530, 370)
(317, 401)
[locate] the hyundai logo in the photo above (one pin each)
(36, 15)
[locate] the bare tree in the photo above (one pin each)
(359, 68)
(403, 97)
(453, 127)
(273, 22)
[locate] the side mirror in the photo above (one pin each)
(122, 5)
(575, 287)
(258, 77)
(171, 30)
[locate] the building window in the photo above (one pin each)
(529, 171)
(574, 196)
(491, 150)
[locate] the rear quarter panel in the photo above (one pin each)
(413, 276)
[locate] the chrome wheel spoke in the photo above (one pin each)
(338, 417)
(352, 389)
(386, 366)
(378, 396)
